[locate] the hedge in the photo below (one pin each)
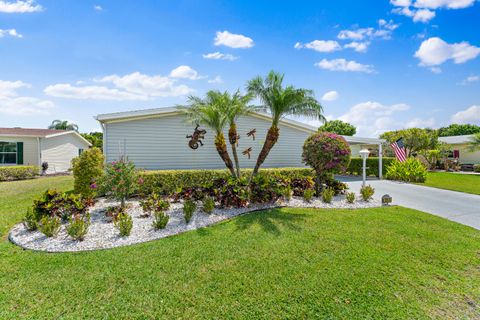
(169, 181)
(18, 173)
(356, 165)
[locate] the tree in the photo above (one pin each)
(281, 101)
(63, 125)
(475, 143)
(95, 138)
(338, 127)
(414, 139)
(458, 130)
(211, 111)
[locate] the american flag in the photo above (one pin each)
(399, 149)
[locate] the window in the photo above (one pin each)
(80, 151)
(8, 152)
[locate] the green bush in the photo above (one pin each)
(308, 194)
(265, 189)
(168, 182)
(154, 203)
(356, 165)
(287, 192)
(327, 195)
(189, 208)
(87, 169)
(208, 205)
(78, 227)
(30, 221)
(367, 192)
(11, 173)
(124, 224)
(49, 226)
(476, 168)
(411, 170)
(60, 204)
(160, 220)
(120, 181)
(350, 196)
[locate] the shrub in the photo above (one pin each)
(299, 185)
(87, 169)
(120, 181)
(63, 205)
(476, 168)
(327, 153)
(189, 208)
(124, 224)
(11, 173)
(327, 195)
(30, 221)
(232, 192)
(154, 203)
(78, 227)
(160, 220)
(49, 226)
(208, 205)
(264, 189)
(356, 165)
(308, 194)
(338, 187)
(350, 196)
(367, 192)
(287, 192)
(411, 170)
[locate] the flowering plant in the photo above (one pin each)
(119, 181)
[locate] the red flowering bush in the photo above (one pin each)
(120, 180)
(327, 153)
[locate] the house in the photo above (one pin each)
(459, 146)
(21, 146)
(156, 139)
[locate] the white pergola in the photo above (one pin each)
(369, 141)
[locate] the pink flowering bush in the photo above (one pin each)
(120, 180)
(327, 153)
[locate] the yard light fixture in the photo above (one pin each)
(364, 154)
(386, 199)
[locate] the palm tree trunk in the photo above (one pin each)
(223, 152)
(233, 139)
(270, 140)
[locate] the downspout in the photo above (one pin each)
(39, 153)
(380, 161)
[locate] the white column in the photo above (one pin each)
(380, 161)
(364, 169)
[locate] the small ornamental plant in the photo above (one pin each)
(160, 220)
(327, 153)
(78, 227)
(308, 194)
(208, 205)
(87, 169)
(30, 221)
(189, 208)
(154, 203)
(49, 226)
(367, 192)
(287, 192)
(327, 195)
(124, 224)
(350, 197)
(120, 181)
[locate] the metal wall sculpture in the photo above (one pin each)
(196, 138)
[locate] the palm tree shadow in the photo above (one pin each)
(271, 220)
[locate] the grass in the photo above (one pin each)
(453, 181)
(285, 263)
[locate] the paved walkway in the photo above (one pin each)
(460, 207)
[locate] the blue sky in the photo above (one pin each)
(384, 64)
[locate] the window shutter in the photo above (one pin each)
(19, 152)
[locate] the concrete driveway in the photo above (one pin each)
(460, 207)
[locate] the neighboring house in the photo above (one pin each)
(156, 139)
(20, 146)
(459, 146)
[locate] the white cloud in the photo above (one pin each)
(19, 6)
(470, 115)
(232, 40)
(97, 8)
(217, 79)
(12, 104)
(185, 72)
(219, 56)
(449, 4)
(420, 123)
(435, 51)
(10, 32)
(320, 45)
(423, 15)
(470, 79)
(330, 96)
(358, 34)
(401, 3)
(358, 46)
(384, 31)
(66, 90)
(423, 10)
(344, 65)
(436, 70)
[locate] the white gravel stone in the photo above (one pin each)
(103, 235)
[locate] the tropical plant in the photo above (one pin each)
(208, 205)
(124, 223)
(63, 125)
(350, 197)
(49, 226)
(160, 220)
(62, 205)
(338, 127)
(119, 181)
(189, 208)
(154, 203)
(78, 227)
(95, 138)
(327, 195)
(327, 153)
(87, 168)
(474, 143)
(367, 192)
(411, 170)
(281, 101)
(30, 221)
(211, 111)
(308, 194)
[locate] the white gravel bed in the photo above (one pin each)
(103, 235)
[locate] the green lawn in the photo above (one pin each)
(453, 181)
(379, 263)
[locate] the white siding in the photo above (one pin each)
(30, 149)
(60, 150)
(161, 143)
(467, 156)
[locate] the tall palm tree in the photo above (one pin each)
(474, 143)
(211, 112)
(281, 101)
(237, 105)
(63, 125)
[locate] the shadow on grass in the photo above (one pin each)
(271, 220)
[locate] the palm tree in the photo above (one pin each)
(63, 125)
(211, 112)
(474, 143)
(237, 105)
(280, 102)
